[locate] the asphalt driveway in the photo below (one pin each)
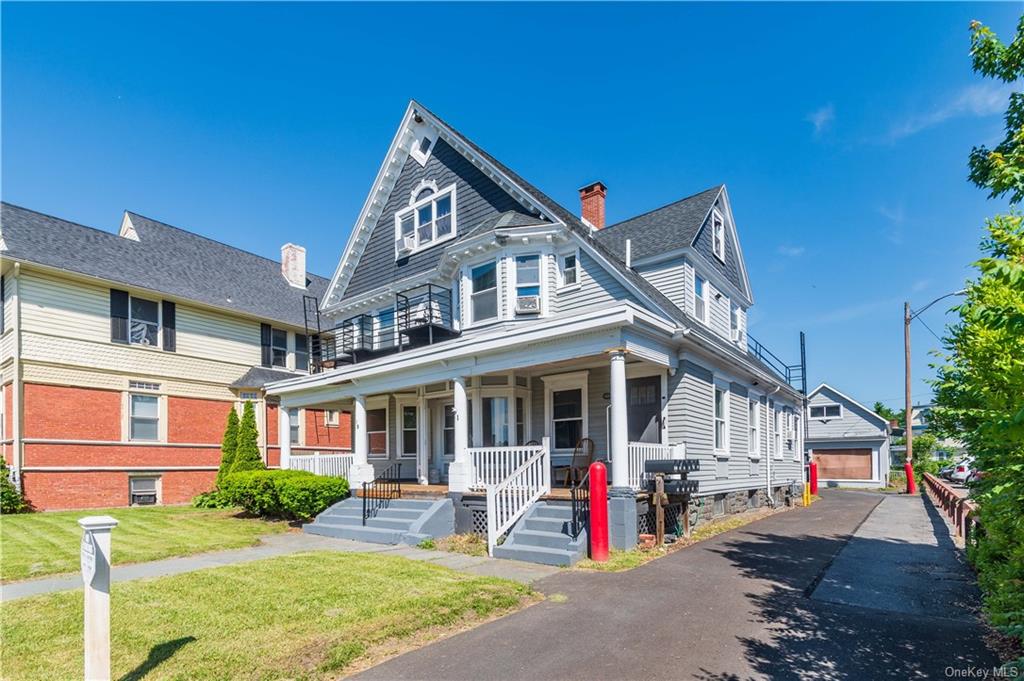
(745, 604)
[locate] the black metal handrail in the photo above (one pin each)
(791, 373)
(580, 495)
(379, 493)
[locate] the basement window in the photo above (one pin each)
(142, 491)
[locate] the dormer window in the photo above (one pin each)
(718, 234)
(429, 220)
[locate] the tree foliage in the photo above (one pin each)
(228, 445)
(247, 451)
(980, 382)
(11, 499)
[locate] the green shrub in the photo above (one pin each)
(11, 500)
(228, 445)
(212, 499)
(247, 452)
(285, 494)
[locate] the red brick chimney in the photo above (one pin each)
(592, 203)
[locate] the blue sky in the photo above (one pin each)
(842, 132)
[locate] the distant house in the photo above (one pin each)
(849, 442)
(920, 421)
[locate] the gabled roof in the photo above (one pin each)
(163, 259)
(849, 399)
(521, 189)
(257, 377)
(662, 229)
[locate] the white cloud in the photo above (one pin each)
(822, 119)
(791, 251)
(984, 99)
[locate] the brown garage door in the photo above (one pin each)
(843, 464)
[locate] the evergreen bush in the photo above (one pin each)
(228, 445)
(11, 500)
(247, 452)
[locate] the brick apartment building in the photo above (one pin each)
(121, 354)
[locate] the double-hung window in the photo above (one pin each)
(734, 323)
(753, 426)
(776, 433)
(144, 417)
(409, 437)
(700, 299)
(721, 420)
(570, 272)
(484, 292)
(301, 352)
(377, 430)
(279, 348)
(567, 417)
(144, 324)
(429, 220)
(718, 234)
(528, 283)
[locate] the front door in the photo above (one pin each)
(644, 409)
(443, 445)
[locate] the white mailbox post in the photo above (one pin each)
(96, 576)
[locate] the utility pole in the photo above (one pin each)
(908, 466)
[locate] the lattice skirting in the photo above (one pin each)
(647, 522)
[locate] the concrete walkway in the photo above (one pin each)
(279, 545)
(737, 607)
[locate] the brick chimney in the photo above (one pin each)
(293, 265)
(592, 203)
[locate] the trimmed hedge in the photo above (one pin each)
(285, 494)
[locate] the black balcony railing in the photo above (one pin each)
(793, 374)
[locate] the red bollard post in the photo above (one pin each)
(908, 470)
(598, 512)
(814, 477)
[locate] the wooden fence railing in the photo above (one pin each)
(961, 511)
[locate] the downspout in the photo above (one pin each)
(768, 454)
(16, 385)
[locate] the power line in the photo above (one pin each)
(929, 329)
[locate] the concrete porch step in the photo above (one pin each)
(535, 554)
(549, 540)
(402, 521)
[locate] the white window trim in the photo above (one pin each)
(159, 487)
(400, 405)
(126, 415)
(379, 403)
(159, 323)
(715, 213)
(560, 267)
(413, 208)
(328, 422)
(716, 386)
(822, 406)
(512, 267)
(776, 430)
(467, 277)
(754, 400)
(558, 382)
(422, 156)
(707, 303)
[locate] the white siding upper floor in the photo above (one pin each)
(68, 321)
(675, 278)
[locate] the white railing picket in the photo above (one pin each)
(641, 452)
(510, 497)
(491, 465)
(334, 465)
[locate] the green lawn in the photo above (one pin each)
(36, 544)
(304, 615)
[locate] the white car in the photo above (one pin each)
(961, 471)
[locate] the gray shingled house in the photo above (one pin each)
(849, 442)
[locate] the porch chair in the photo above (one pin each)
(582, 457)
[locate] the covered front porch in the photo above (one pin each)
(565, 410)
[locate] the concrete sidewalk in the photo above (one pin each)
(280, 545)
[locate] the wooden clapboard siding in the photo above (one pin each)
(208, 334)
(63, 307)
(597, 287)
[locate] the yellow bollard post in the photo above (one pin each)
(807, 494)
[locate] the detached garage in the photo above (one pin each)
(849, 442)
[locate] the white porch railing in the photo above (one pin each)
(491, 465)
(510, 498)
(641, 452)
(335, 465)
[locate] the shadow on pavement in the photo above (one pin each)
(809, 638)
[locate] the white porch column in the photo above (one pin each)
(284, 436)
(460, 472)
(361, 470)
(619, 445)
(422, 440)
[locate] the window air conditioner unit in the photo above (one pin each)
(528, 304)
(736, 335)
(406, 243)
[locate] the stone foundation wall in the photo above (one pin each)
(713, 506)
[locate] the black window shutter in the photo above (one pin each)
(265, 334)
(118, 316)
(170, 321)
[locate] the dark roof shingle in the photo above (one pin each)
(662, 230)
(165, 259)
